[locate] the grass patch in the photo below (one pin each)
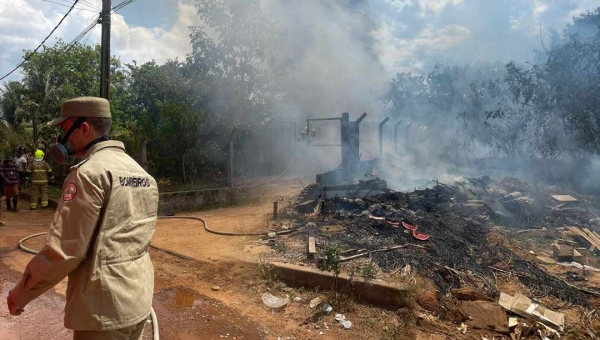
(264, 269)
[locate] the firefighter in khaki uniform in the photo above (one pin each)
(39, 172)
(100, 233)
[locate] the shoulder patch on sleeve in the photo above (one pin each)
(69, 192)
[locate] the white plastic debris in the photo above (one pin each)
(274, 302)
(297, 299)
(327, 309)
(341, 318)
(346, 324)
(272, 235)
(578, 266)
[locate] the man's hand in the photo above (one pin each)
(12, 306)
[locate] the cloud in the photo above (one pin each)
(400, 34)
(23, 26)
(437, 5)
(399, 54)
(398, 4)
(144, 44)
(25, 23)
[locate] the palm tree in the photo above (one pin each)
(10, 101)
(41, 98)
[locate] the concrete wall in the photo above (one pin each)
(182, 201)
(376, 293)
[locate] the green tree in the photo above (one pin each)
(62, 72)
(236, 65)
(179, 134)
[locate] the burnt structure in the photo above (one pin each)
(352, 168)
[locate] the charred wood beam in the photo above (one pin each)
(360, 119)
(381, 135)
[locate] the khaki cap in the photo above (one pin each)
(88, 107)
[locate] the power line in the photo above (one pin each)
(88, 3)
(85, 34)
(40, 45)
(87, 37)
(81, 9)
(81, 35)
(80, 5)
(122, 4)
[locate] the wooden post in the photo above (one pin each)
(396, 136)
(232, 158)
(275, 211)
(381, 135)
(312, 245)
(105, 49)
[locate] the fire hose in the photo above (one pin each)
(155, 330)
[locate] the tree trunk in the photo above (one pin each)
(144, 150)
(183, 168)
(35, 132)
(231, 158)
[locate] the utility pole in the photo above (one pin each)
(105, 49)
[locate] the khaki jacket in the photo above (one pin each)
(99, 238)
(40, 172)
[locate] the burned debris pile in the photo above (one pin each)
(467, 232)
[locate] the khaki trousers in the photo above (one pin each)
(130, 333)
(39, 190)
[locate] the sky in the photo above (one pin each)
(402, 35)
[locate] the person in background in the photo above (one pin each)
(10, 184)
(39, 173)
(29, 157)
(21, 163)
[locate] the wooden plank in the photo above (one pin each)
(593, 237)
(564, 198)
(591, 240)
(596, 234)
(312, 244)
(576, 232)
(580, 233)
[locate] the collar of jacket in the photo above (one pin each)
(103, 145)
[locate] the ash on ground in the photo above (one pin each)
(475, 226)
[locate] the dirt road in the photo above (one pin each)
(187, 301)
